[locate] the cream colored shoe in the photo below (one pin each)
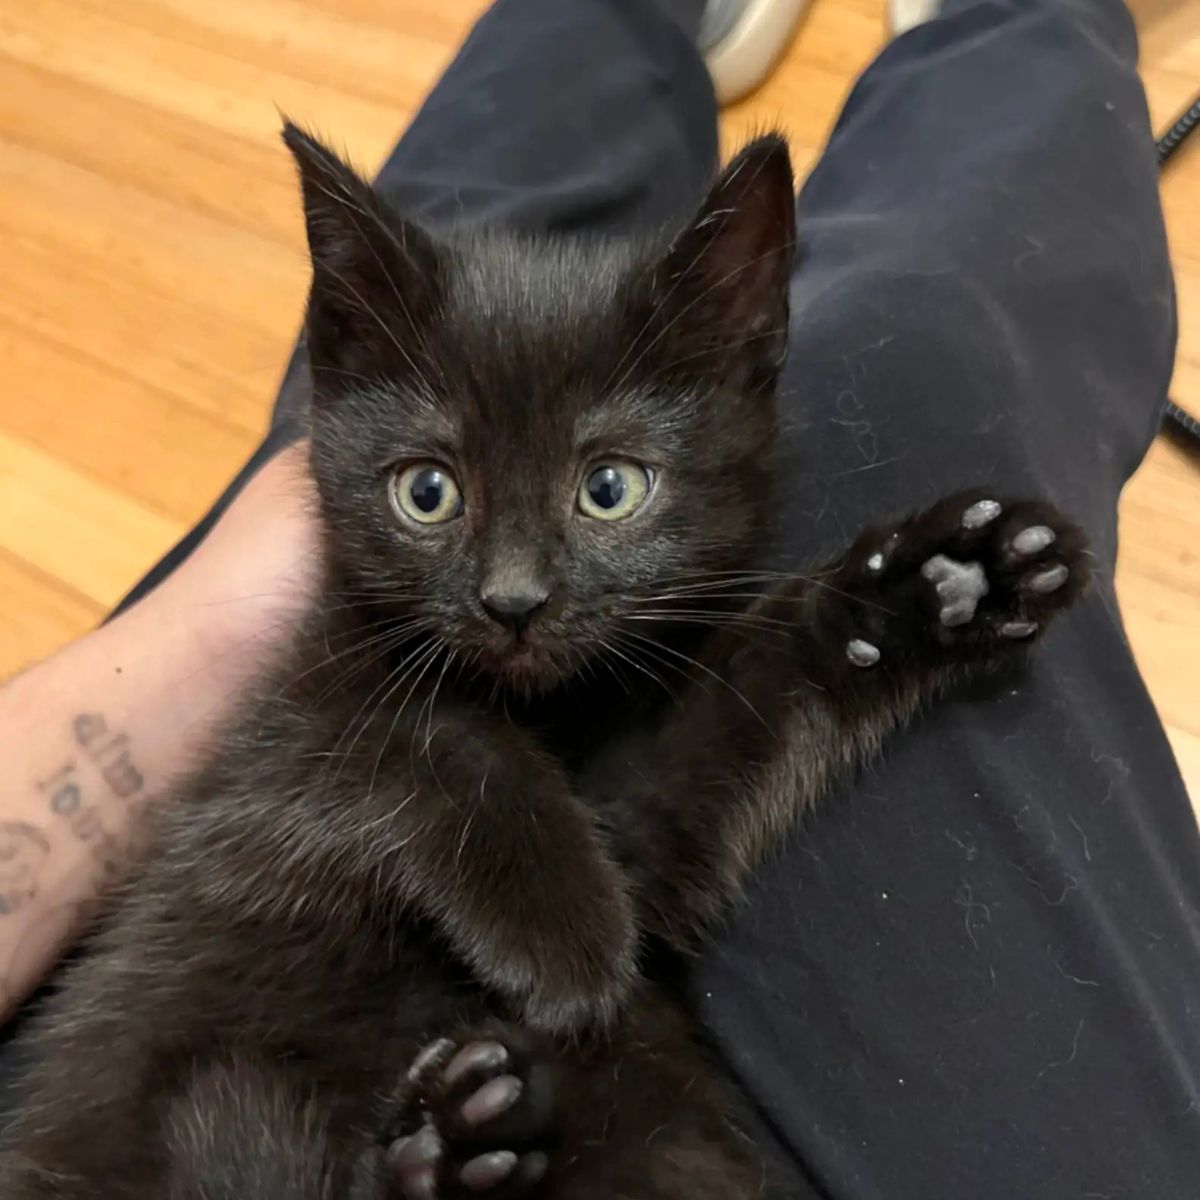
(742, 40)
(908, 14)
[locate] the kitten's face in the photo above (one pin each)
(526, 448)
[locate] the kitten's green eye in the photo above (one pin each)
(426, 493)
(615, 490)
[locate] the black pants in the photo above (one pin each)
(977, 972)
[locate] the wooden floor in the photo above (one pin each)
(151, 243)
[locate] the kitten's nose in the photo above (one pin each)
(514, 610)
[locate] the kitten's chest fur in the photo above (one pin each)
(589, 721)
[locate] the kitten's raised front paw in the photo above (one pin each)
(487, 1106)
(968, 579)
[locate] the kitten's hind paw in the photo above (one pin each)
(488, 1108)
(967, 580)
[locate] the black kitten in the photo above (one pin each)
(403, 936)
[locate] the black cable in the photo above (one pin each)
(1174, 137)
(1178, 421)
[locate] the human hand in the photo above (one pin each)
(241, 592)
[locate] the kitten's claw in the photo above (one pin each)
(980, 514)
(862, 654)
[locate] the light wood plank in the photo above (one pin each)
(114, 428)
(49, 614)
(92, 538)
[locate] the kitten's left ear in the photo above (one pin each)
(376, 278)
(725, 277)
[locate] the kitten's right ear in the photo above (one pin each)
(376, 278)
(723, 285)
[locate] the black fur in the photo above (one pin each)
(428, 827)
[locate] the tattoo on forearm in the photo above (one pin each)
(104, 763)
(110, 752)
(23, 850)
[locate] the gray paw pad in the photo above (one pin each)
(479, 1056)
(862, 654)
(414, 1161)
(1018, 629)
(960, 586)
(1049, 581)
(488, 1170)
(1033, 540)
(980, 513)
(495, 1097)
(879, 559)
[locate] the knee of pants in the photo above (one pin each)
(919, 347)
(910, 383)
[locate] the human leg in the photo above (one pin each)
(972, 973)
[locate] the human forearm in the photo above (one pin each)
(92, 734)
